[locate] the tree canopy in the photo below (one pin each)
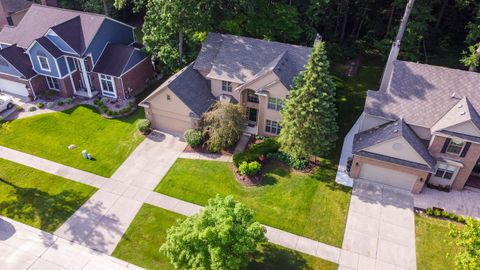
(468, 239)
(222, 236)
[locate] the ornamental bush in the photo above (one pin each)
(40, 105)
(68, 100)
(294, 162)
(193, 137)
(60, 103)
(32, 109)
(143, 125)
(269, 145)
(249, 168)
(50, 105)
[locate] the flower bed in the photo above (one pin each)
(114, 108)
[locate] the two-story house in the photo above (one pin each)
(422, 126)
(254, 73)
(73, 53)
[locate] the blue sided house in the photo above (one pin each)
(72, 52)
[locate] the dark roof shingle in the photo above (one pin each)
(19, 59)
(114, 59)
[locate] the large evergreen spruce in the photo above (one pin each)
(309, 124)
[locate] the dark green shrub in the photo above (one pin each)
(269, 145)
(40, 105)
(249, 168)
(429, 211)
(460, 219)
(437, 212)
(143, 125)
(68, 100)
(97, 102)
(18, 108)
(445, 214)
(32, 109)
(50, 105)
(296, 163)
(108, 112)
(193, 137)
(60, 103)
(452, 216)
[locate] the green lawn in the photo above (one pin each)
(48, 136)
(308, 205)
(435, 249)
(37, 198)
(147, 233)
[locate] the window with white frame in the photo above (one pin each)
(43, 62)
(252, 97)
(455, 146)
(108, 88)
(226, 86)
(71, 64)
(275, 103)
(272, 127)
(52, 83)
(445, 171)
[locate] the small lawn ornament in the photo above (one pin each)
(86, 155)
(72, 146)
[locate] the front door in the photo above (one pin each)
(252, 115)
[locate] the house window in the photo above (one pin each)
(445, 171)
(43, 62)
(275, 103)
(252, 97)
(226, 86)
(52, 83)
(455, 146)
(108, 88)
(169, 98)
(272, 127)
(71, 64)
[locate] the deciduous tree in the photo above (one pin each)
(468, 239)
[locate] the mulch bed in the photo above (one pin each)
(203, 150)
(245, 180)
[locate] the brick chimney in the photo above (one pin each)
(51, 3)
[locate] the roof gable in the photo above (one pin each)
(72, 33)
(114, 59)
(397, 148)
(16, 57)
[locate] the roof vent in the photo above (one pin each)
(459, 106)
(453, 95)
(462, 113)
(395, 131)
(395, 124)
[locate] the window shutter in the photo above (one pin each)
(465, 149)
(445, 145)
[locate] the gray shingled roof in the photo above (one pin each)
(38, 19)
(389, 131)
(114, 59)
(12, 6)
(422, 94)
(17, 57)
(397, 161)
(49, 46)
(240, 59)
(71, 32)
(191, 88)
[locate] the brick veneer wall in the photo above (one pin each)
(468, 161)
(38, 84)
(421, 175)
(138, 77)
(66, 89)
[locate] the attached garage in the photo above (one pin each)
(166, 123)
(12, 87)
(387, 176)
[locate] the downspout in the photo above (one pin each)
(387, 73)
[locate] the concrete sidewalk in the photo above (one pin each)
(24, 247)
(101, 222)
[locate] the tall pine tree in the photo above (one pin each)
(309, 124)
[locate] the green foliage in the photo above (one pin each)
(269, 145)
(18, 108)
(32, 109)
(471, 58)
(143, 125)
(309, 125)
(223, 125)
(68, 100)
(193, 137)
(296, 163)
(222, 236)
(40, 105)
(60, 103)
(249, 168)
(468, 239)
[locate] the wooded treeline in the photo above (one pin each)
(174, 29)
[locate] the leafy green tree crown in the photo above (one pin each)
(468, 239)
(309, 124)
(222, 236)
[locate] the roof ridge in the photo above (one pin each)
(440, 67)
(269, 41)
(70, 10)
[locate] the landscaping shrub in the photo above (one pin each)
(1, 119)
(32, 109)
(429, 211)
(40, 105)
(249, 168)
(269, 145)
(143, 125)
(104, 100)
(296, 163)
(60, 103)
(50, 105)
(193, 137)
(444, 214)
(97, 102)
(68, 100)
(18, 108)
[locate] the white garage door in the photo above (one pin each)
(166, 123)
(387, 176)
(13, 88)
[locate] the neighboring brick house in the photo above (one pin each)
(72, 52)
(256, 74)
(422, 126)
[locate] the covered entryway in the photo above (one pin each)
(12, 87)
(166, 123)
(387, 176)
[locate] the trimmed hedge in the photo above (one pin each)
(444, 214)
(249, 168)
(296, 163)
(193, 137)
(269, 145)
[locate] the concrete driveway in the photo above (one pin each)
(380, 231)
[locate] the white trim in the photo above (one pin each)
(46, 61)
(84, 77)
(112, 79)
(134, 66)
(48, 84)
(70, 73)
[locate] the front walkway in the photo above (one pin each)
(24, 247)
(380, 232)
(465, 202)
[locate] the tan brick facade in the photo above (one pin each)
(358, 161)
(468, 161)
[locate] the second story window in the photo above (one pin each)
(252, 97)
(275, 103)
(43, 62)
(455, 146)
(226, 86)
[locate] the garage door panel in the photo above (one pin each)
(387, 176)
(13, 88)
(167, 123)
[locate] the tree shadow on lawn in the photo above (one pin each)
(271, 257)
(33, 205)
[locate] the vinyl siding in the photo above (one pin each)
(33, 53)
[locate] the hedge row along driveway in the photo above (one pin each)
(109, 141)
